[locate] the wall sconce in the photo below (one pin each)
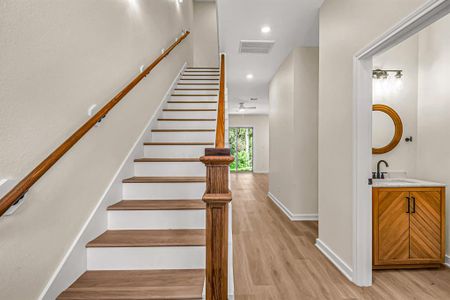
(387, 81)
(384, 74)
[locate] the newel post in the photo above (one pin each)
(217, 197)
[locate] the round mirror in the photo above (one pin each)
(383, 129)
(387, 129)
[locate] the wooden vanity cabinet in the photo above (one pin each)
(408, 227)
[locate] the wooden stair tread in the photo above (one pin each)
(137, 284)
(178, 144)
(203, 75)
(195, 83)
(182, 78)
(165, 179)
(202, 70)
(149, 238)
(175, 159)
(193, 68)
(194, 95)
(196, 70)
(183, 130)
(189, 101)
(186, 120)
(158, 205)
(189, 109)
(204, 89)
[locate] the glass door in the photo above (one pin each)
(241, 146)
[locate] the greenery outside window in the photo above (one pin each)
(241, 146)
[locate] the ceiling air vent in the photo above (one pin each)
(255, 46)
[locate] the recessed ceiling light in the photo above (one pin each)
(265, 29)
(180, 1)
(249, 76)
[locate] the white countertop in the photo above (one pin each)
(404, 182)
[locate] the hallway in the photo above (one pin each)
(275, 258)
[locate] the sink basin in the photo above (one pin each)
(404, 182)
(395, 182)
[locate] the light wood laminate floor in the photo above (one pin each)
(275, 258)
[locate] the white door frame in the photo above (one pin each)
(427, 14)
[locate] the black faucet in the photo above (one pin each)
(378, 174)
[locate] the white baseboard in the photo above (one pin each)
(74, 262)
(260, 172)
(447, 261)
(289, 214)
(336, 260)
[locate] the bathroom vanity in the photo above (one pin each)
(408, 223)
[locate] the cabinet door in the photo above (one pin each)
(425, 222)
(393, 227)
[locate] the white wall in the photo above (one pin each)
(260, 124)
(281, 130)
(206, 43)
(433, 150)
(58, 58)
(346, 26)
(293, 133)
(405, 57)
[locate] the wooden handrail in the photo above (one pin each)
(220, 128)
(217, 197)
(24, 185)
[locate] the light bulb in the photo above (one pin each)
(265, 29)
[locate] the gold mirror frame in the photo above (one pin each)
(397, 124)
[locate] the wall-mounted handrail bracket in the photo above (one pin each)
(5, 186)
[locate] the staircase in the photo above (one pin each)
(154, 247)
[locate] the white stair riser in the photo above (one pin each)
(163, 191)
(139, 258)
(203, 73)
(194, 98)
(169, 169)
(197, 81)
(185, 124)
(190, 99)
(207, 78)
(197, 136)
(156, 219)
(209, 68)
(191, 105)
(199, 86)
(195, 92)
(175, 151)
(189, 114)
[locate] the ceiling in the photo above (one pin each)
(293, 23)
